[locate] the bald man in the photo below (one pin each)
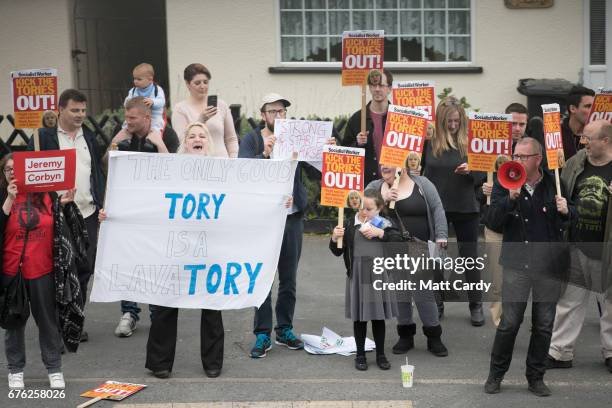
(587, 178)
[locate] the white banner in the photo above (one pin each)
(191, 231)
(305, 137)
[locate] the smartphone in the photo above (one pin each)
(212, 100)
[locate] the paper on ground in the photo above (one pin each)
(330, 342)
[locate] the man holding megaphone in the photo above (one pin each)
(525, 207)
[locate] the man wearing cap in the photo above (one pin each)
(258, 144)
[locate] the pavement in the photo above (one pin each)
(288, 378)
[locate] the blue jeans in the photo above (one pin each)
(290, 252)
(133, 309)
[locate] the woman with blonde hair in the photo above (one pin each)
(196, 140)
(445, 165)
(161, 345)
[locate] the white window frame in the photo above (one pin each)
(387, 64)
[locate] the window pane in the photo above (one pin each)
(291, 4)
(291, 22)
(316, 22)
(410, 22)
(435, 49)
(335, 49)
(363, 20)
(459, 49)
(434, 3)
(435, 22)
(410, 3)
(292, 49)
(387, 20)
(339, 21)
(316, 49)
(363, 4)
(458, 22)
(598, 32)
(314, 4)
(338, 4)
(411, 49)
(386, 4)
(458, 3)
(391, 49)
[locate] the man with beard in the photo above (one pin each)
(588, 178)
(259, 144)
(71, 133)
(380, 85)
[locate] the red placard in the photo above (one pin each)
(48, 170)
(419, 95)
(602, 105)
(34, 91)
(113, 390)
(405, 132)
(342, 173)
(552, 136)
(489, 136)
(362, 51)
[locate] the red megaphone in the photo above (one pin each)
(511, 175)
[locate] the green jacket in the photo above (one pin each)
(573, 168)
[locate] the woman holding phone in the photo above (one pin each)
(445, 165)
(207, 109)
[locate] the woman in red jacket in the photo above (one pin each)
(29, 242)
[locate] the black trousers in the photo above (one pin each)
(466, 228)
(161, 346)
(91, 224)
(515, 293)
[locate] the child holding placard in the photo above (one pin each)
(363, 238)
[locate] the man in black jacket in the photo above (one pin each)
(72, 134)
(579, 102)
(533, 219)
(137, 138)
(376, 118)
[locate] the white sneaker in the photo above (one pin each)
(15, 381)
(126, 326)
(56, 381)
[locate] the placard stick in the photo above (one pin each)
(340, 224)
(36, 140)
(90, 402)
(363, 108)
(489, 181)
(398, 173)
(558, 182)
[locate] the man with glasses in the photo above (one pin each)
(587, 176)
(259, 144)
(380, 84)
(493, 238)
(530, 217)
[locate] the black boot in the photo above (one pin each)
(476, 314)
(434, 342)
(406, 338)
